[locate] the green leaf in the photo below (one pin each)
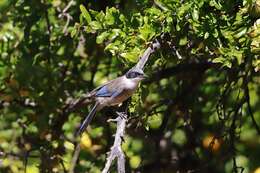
(100, 38)
(256, 64)
(183, 9)
(85, 13)
(206, 35)
(153, 11)
(95, 25)
(5, 4)
(183, 41)
(240, 32)
(115, 47)
(135, 161)
(227, 64)
(215, 4)
(73, 32)
(111, 14)
(195, 14)
(109, 18)
(130, 56)
(255, 45)
(179, 137)
(178, 28)
(155, 121)
(146, 32)
(115, 33)
(219, 60)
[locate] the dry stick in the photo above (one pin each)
(116, 150)
(72, 2)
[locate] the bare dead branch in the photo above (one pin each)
(116, 150)
(151, 49)
(72, 2)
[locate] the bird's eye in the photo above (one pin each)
(133, 74)
(137, 74)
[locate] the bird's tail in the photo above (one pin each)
(87, 120)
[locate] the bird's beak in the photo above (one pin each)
(144, 76)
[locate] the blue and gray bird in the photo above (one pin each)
(113, 93)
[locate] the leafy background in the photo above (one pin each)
(197, 112)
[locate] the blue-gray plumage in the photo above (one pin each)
(113, 93)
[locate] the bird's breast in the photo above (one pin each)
(126, 87)
(130, 84)
(122, 97)
(112, 101)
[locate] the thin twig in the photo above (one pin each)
(68, 6)
(160, 5)
(247, 95)
(75, 158)
(26, 160)
(65, 14)
(116, 150)
(63, 166)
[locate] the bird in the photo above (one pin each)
(113, 93)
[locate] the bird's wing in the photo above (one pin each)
(104, 92)
(111, 89)
(94, 91)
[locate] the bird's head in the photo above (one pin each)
(135, 74)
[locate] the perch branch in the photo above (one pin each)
(116, 150)
(151, 49)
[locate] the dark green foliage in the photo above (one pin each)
(197, 111)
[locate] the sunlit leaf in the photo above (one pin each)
(85, 13)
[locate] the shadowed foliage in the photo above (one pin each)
(198, 111)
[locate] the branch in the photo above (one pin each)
(151, 49)
(75, 158)
(65, 14)
(247, 95)
(116, 150)
(68, 6)
(186, 67)
(160, 5)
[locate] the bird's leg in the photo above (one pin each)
(122, 115)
